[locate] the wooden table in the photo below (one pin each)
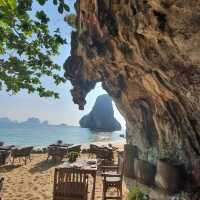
(84, 165)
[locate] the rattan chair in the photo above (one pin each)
(70, 184)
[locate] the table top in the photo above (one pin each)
(60, 145)
(87, 165)
(6, 147)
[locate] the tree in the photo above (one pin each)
(27, 47)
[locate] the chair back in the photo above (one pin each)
(57, 151)
(22, 152)
(3, 156)
(105, 153)
(74, 148)
(70, 184)
(93, 149)
(27, 151)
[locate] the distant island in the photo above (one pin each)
(101, 118)
(29, 123)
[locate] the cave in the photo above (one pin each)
(148, 68)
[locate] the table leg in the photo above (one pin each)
(94, 185)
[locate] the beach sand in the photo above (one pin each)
(34, 181)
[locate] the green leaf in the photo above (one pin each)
(55, 2)
(41, 2)
(60, 8)
(41, 15)
(3, 25)
(66, 7)
(12, 4)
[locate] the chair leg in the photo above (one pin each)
(120, 191)
(13, 160)
(104, 192)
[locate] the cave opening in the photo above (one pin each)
(91, 99)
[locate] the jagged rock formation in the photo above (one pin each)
(146, 53)
(101, 118)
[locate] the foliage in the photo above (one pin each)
(27, 47)
(137, 194)
(73, 156)
(71, 20)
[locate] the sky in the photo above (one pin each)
(22, 105)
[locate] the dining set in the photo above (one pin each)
(71, 179)
(14, 152)
(59, 151)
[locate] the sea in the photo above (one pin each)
(43, 136)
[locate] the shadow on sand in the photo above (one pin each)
(8, 168)
(43, 166)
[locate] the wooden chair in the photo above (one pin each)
(105, 157)
(105, 153)
(24, 152)
(74, 148)
(70, 184)
(4, 154)
(112, 178)
(57, 153)
(1, 186)
(93, 150)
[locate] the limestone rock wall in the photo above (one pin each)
(146, 53)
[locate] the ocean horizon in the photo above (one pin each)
(43, 136)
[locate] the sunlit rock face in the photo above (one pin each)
(101, 117)
(146, 53)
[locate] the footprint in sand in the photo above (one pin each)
(35, 188)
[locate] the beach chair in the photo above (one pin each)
(70, 184)
(24, 152)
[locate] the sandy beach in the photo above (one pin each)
(34, 181)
